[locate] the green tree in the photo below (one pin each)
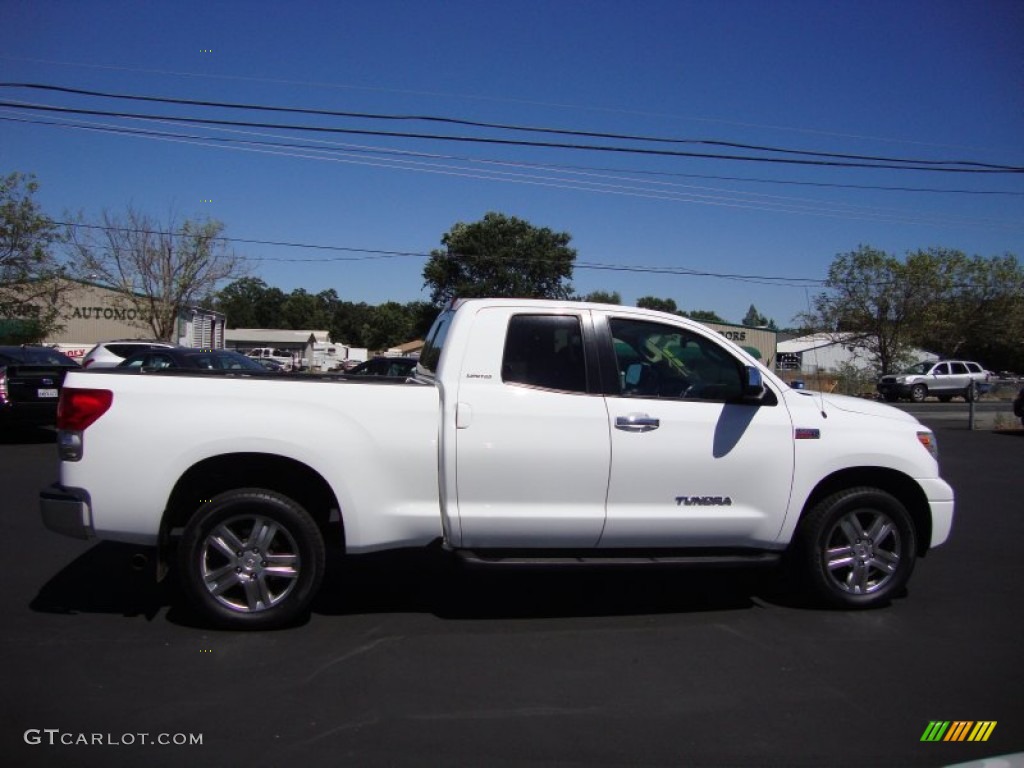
(390, 324)
(703, 316)
(158, 269)
(659, 305)
(349, 321)
(423, 315)
(250, 303)
(937, 299)
(877, 303)
(302, 310)
(500, 256)
(383, 326)
(754, 319)
(979, 310)
(604, 297)
(31, 284)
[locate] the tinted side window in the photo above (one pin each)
(959, 368)
(941, 370)
(127, 350)
(657, 360)
(431, 353)
(973, 367)
(159, 361)
(545, 351)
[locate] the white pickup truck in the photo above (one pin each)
(532, 432)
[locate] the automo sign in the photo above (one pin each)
(105, 313)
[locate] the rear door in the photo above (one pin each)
(959, 378)
(532, 445)
(692, 464)
(942, 381)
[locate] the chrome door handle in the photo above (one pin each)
(637, 422)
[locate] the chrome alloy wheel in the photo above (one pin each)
(249, 563)
(862, 551)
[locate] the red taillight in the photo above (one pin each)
(78, 408)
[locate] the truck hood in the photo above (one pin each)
(856, 405)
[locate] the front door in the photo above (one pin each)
(692, 464)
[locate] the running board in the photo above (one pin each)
(613, 558)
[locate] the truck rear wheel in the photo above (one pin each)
(251, 559)
(856, 548)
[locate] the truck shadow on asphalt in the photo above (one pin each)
(106, 580)
(436, 584)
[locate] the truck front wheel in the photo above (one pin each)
(856, 548)
(251, 559)
(918, 393)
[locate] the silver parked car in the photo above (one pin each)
(944, 379)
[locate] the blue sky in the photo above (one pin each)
(921, 80)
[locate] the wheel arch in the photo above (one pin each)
(892, 481)
(291, 478)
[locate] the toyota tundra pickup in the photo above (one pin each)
(531, 432)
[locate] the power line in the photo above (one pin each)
(492, 99)
(665, 191)
(373, 254)
(382, 151)
(506, 127)
(516, 142)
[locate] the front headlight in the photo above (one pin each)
(927, 439)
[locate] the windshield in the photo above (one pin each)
(35, 356)
(919, 368)
(224, 361)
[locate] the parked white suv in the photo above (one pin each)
(108, 354)
(944, 379)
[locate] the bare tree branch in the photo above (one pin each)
(158, 270)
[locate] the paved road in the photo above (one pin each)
(407, 663)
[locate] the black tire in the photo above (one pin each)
(856, 548)
(918, 393)
(251, 559)
(969, 394)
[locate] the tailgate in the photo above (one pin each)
(35, 383)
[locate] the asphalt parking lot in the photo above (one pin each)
(406, 661)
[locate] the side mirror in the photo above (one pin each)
(753, 387)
